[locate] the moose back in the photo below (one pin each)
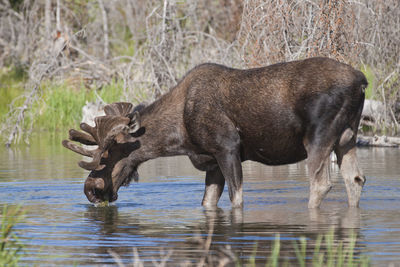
(220, 117)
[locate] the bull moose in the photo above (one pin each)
(220, 117)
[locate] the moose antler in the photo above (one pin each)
(124, 109)
(119, 117)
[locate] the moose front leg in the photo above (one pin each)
(219, 140)
(231, 168)
(215, 183)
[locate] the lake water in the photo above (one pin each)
(161, 215)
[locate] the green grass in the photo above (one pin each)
(326, 252)
(10, 247)
(11, 86)
(61, 104)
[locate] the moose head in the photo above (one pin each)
(115, 136)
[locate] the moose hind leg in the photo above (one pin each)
(320, 184)
(215, 183)
(353, 177)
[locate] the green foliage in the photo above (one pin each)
(62, 104)
(327, 252)
(11, 85)
(10, 247)
(301, 252)
(274, 258)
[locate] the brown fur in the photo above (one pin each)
(219, 117)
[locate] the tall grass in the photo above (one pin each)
(61, 105)
(12, 81)
(10, 247)
(326, 253)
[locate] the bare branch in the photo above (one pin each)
(105, 28)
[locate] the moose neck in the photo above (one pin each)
(164, 132)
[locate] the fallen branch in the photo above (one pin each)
(379, 141)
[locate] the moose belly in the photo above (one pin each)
(274, 150)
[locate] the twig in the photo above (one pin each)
(163, 22)
(58, 15)
(105, 28)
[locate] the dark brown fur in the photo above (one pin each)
(219, 117)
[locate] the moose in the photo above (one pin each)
(220, 116)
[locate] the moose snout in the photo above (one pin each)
(96, 190)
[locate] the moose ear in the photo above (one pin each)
(134, 125)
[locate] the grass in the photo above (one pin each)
(325, 252)
(10, 247)
(61, 104)
(12, 82)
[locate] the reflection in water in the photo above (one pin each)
(162, 213)
(227, 227)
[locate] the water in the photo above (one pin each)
(162, 213)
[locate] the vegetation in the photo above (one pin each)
(61, 104)
(11, 86)
(326, 252)
(10, 247)
(50, 48)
